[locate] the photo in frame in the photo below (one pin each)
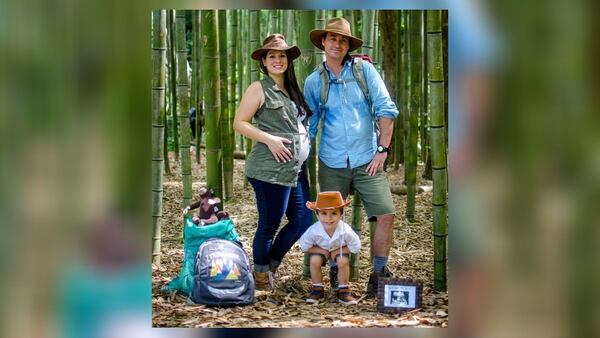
(397, 295)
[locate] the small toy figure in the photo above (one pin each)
(209, 211)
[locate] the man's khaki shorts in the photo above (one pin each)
(374, 190)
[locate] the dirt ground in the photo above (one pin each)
(411, 256)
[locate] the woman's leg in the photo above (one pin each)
(271, 201)
(299, 219)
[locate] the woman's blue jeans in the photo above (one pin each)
(273, 201)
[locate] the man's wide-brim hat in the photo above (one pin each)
(275, 42)
(339, 26)
(328, 200)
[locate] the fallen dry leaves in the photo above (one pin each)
(411, 257)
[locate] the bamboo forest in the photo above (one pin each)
(202, 67)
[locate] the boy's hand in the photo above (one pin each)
(317, 249)
(186, 210)
(344, 249)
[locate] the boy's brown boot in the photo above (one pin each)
(345, 296)
(316, 294)
(261, 281)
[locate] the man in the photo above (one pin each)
(351, 153)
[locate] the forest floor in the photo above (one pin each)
(411, 257)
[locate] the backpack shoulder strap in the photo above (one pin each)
(359, 75)
(325, 81)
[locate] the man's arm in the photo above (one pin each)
(386, 128)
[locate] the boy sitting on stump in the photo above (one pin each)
(330, 237)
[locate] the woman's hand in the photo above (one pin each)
(277, 147)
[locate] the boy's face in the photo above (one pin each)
(329, 218)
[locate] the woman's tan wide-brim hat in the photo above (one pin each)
(339, 26)
(328, 200)
(275, 42)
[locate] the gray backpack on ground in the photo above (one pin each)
(222, 274)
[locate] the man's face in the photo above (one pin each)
(336, 46)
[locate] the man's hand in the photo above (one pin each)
(376, 164)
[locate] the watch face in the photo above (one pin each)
(380, 149)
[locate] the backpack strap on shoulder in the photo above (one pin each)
(325, 81)
(359, 75)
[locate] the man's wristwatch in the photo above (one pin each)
(382, 149)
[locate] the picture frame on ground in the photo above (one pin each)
(397, 295)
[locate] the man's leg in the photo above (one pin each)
(382, 240)
(377, 200)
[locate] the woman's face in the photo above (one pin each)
(275, 61)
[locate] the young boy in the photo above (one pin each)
(330, 238)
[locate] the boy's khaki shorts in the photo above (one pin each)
(374, 190)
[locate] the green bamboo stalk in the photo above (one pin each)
(400, 93)
(390, 56)
(376, 44)
(197, 73)
(273, 22)
(425, 144)
(183, 94)
(233, 73)
(405, 87)
(159, 49)
(413, 119)
(357, 220)
(321, 19)
(194, 59)
(173, 81)
(438, 147)
(241, 68)
(254, 43)
(290, 25)
(226, 126)
(212, 100)
(167, 165)
(368, 25)
(358, 23)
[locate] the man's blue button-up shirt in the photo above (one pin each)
(348, 134)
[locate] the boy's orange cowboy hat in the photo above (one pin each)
(328, 200)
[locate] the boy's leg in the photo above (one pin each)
(316, 263)
(317, 292)
(344, 294)
(343, 263)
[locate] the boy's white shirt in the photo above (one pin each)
(316, 235)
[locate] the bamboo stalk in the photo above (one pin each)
(357, 227)
(159, 47)
(212, 98)
(173, 81)
(183, 94)
(226, 128)
(438, 147)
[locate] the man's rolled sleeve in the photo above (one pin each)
(382, 102)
